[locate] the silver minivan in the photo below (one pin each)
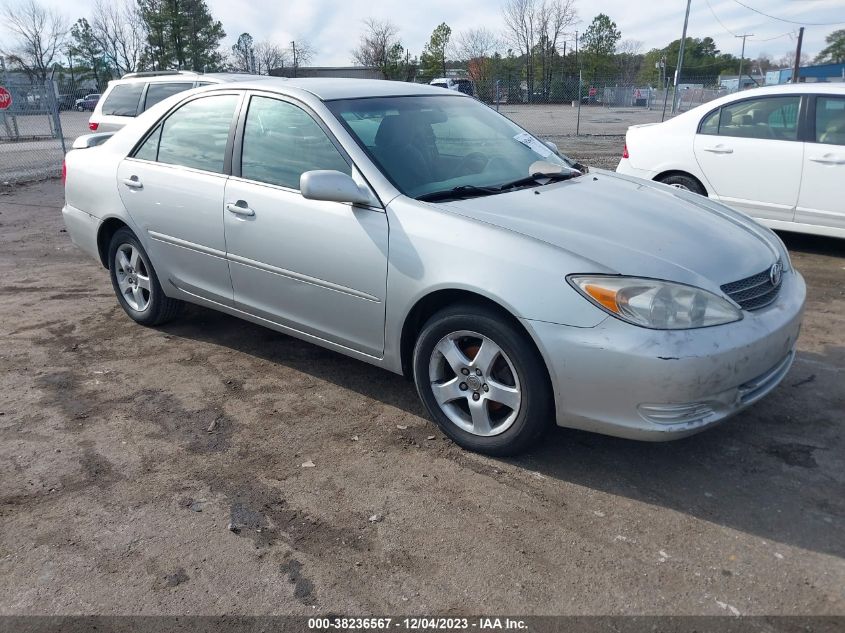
(134, 93)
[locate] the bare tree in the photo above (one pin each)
(301, 53)
(376, 44)
(535, 28)
(38, 37)
(476, 47)
(629, 59)
(118, 30)
(269, 56)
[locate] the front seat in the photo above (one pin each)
(394, 146)
(834, 133)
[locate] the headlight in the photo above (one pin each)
(651, 303)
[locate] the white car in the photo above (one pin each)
(134, 93)
(452, 83)
(776, 153)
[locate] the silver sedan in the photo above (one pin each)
(420, 231)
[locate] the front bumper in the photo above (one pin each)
(637, 383)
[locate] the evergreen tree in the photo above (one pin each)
(599, 44)
(181, 34)
(85, 48)
(433, 58)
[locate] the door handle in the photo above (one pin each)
(824, 160)
(240, 208)
(719, 150)
(133, 182)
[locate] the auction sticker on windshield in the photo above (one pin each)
(538, 147)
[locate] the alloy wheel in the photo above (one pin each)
(133, 277)
(475, 383)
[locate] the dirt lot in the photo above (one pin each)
(127, 452)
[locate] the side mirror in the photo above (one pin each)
(333, 186)
(552, 146)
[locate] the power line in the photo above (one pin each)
(722, 24)
(769, 39)
(774, 17)
(727, 30)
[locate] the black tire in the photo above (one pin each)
(159, 307)
(683, 181)
(536, 409)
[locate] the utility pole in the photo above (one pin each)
(680, 58)
(293, 47)
(795, 77)
(741, 59)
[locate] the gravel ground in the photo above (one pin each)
(212, 466)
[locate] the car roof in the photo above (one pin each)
(328, 89)
(185, 76)
(803, 88)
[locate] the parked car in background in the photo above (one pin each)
(88, 102)
(776, 153)
(66, 101)
(134, 93)
(419, 230)
(450, 83)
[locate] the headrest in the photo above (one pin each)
(394, 130)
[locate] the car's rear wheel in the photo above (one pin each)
(135, 282)
(683, 181)
(482, 380)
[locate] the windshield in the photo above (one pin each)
(431, 144)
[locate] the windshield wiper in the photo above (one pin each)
(472, 191)
(457, 193)
(533, 178)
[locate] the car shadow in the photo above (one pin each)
(776, 470)
(812, 244)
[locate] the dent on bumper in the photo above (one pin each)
(625, 167)
(633, 382)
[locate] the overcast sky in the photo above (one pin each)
(333, 26)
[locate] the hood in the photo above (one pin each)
(632, 227)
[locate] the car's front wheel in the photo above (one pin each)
(135, 281)
(482, 380)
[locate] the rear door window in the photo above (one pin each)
(830, 120)
(194, 136)
(160, 92)
(123, 100)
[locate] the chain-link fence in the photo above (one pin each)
(44, 116)
(603, 106)
(38, 124)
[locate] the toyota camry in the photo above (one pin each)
(418, 230)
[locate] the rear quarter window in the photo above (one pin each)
(123, 100)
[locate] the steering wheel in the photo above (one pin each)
(472, 163)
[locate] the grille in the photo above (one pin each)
(755, 292)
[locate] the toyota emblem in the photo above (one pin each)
(775, 273)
